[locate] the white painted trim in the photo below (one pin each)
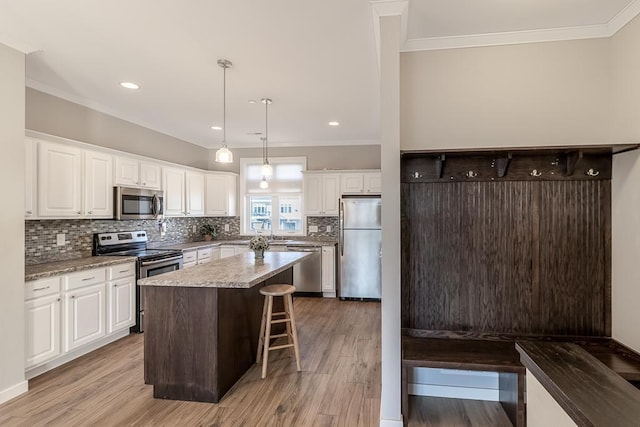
(624, 17)
(68, 357)
(380, 8)
(13, 391)
(530, 36)
(17, 44)
(454, 392)
(391, 423)
(507, 38)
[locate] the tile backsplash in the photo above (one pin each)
(40, 235)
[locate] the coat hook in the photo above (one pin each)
(592, 172)
(416, 175)
(471, 174)
(535, 173)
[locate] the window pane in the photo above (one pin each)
(290, 213)
(260, 210)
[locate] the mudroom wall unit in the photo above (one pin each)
(507, 242)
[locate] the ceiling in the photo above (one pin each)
(316, 60)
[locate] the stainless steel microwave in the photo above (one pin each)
(137, 203)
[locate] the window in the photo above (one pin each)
(277, 209)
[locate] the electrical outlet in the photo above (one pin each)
(313, 229)
(328, 229)
(60, 239)
(226, 227)
(195, 228)
(163, 229)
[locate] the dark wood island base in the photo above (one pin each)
(199, 341)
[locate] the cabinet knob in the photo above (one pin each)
(58, 300)
(144, 183)
(90, 212)
(137, 182)
(79, 212)
(115, 286)
(73, 296)
(29, 212)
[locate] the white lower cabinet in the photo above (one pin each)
(227, 251)
(329, 271)
(122, 303)
(85, 318)
(70, 315)
(42, 324)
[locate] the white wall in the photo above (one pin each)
(538, 94)
(625, 127)
(55, 116)
(12, 380)
(542, 408)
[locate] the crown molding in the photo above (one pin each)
(382, 8)
(624, 17)
(531, 36)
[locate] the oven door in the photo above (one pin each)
(148, 269)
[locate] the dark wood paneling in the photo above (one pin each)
(507, 257)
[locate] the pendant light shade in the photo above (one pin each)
(224, 155)
(264, 184)
(267, 170)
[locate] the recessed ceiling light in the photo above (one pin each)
(252, 101)
(129, 85)
(334, 124)
(216, 128)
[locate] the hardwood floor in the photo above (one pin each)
(339, 384)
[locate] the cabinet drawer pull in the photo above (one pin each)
(115, 286)
(58, 300)
(88, 278)
(123, 271)
(73, 296)
(41, 289)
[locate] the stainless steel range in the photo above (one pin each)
(150, 262)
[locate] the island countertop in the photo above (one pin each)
(239, 271)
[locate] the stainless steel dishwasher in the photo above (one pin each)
(307, 275)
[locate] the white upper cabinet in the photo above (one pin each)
(73, 182)
(59, 180)
(194, 193)
(361, 183)
(174, 192)
(220, 194)
(135, 173)
(321, 194)
(98, 185)
(373, 183)
(30, 178)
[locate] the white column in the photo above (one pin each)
(12, 171)
(391, 20)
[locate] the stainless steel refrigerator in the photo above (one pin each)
(360, 248)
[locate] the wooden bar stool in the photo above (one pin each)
(285, 317)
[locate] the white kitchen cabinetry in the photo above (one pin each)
(221, 194)
(195, 257)
(74, 182)
(59, 180)
(122, 297)
(361, 183)
(329, 271)
(189, 258)
(30, 178)
(231, 250)
(321, 194)
(194, 193)
(135, 173)
(42, 321)
(84, 315)
(183, 193)
(204, 255)
(98, 185)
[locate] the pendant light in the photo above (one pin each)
(264, 184)
(267, 170)
(224, 155)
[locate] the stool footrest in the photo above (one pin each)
(279, 335)
(280, 321)
(278, 347)
(282, 313)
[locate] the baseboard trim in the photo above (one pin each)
(391, 423)
(13, 391)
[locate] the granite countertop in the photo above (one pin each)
(57, 268)
(215, 243)
(239, 271)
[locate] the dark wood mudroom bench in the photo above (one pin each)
(497, 353)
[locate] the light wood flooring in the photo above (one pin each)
(339, 384)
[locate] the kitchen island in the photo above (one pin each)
(202, 324)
